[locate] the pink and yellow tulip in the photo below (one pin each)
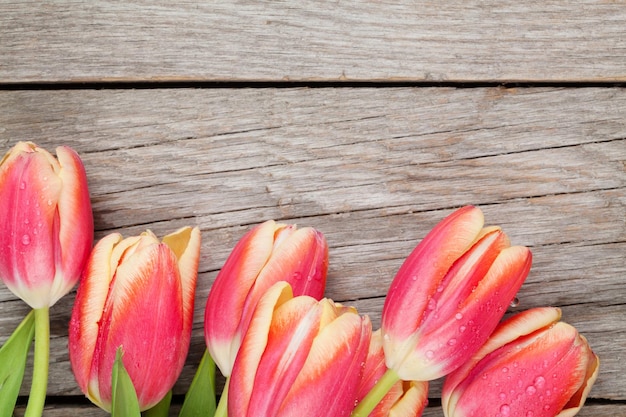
(449, 295)
(46, 223)
(138, 294)
(269, 253)
(404, 398)
(532, 365)
(300, 357)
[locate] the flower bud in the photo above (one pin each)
(269, 253)
(46, 223)
(532, 365)
(449, 295)
(299, 357)
(138, 294)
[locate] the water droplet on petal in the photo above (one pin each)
(502, 396)
(22, 185)
(458, 316)
(430, 354)
(530, 390)
(451, 342)
(529, 414)
(540, 382)
(505, 409)
(297, 275)
(49, 202)
(514, 302)
(25, 240)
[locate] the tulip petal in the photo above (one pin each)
(75, 218)
(294, 326)
(532, 364)
(422, 272)
(447, 346)
(145, 284)
(230, 289)
(328, 381)
(255, 341)
(412, 402)
(29, 220)
(300, 260)
(185, 243)
(88, 306)
(515, 327)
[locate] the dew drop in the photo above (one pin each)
(49, 202)
(530, 390)
(22, 185)
(430, 354)
(540, 382)
(514, 302)
(462, 329)
(297, 275)
(505, 370)
(529, 414)
(451, 342)
(25, 240)
(502, 396)
(505, 409)
(414, 277)
(432, 304)
(458, 316)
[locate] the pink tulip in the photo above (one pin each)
(46, 223)
(300, 357)
(449, 295)
(532, 365)
(404, 399)
(138, 294)
(269, 253)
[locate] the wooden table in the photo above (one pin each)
(368, 121)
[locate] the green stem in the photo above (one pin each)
(222, 406)
(37, 397)
(378, 391)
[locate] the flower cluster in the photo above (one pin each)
(282, 348)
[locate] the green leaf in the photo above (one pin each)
(13, 356)
(200, 399)
(124, 401)
(162, 409)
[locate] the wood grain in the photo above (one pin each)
(453, 41)
(374, 169)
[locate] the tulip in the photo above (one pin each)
(46, 223)
(449, 295)
(46, 233)
(269, 253)
(532, 365)
(404, 399)
(300, 357)
(136, 294)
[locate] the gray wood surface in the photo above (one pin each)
(504, 40)
(372, 168)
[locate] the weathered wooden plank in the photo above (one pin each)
(374, 169)
(500, 40)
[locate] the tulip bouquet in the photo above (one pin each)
(282, 348)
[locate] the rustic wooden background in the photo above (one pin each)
(368, 121)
